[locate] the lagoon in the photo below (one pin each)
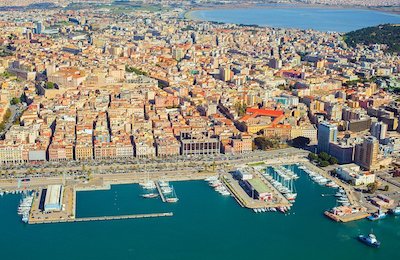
(288, 16)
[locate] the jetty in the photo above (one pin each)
(348, 217)
(102, 218)
(160, 191)
(244, 200)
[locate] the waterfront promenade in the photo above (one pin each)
(191, 169)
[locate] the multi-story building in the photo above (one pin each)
(327, 133)
(366, 153)
(199, 143)
(352, 173)
(167, 146)
(379, 130)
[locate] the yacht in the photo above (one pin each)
(377, 216)
(369, 240)
(172, 200)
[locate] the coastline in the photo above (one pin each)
(187, 14)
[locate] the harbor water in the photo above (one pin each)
(205, 225)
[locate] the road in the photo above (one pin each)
(128, 173)
(15, 112)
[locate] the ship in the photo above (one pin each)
(369, 240)
(377, 216)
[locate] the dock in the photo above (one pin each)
(102, 218)
(160, 191)
(348, 217)
(244, 200)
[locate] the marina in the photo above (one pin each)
(200, 209)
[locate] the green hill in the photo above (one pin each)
(388, 34)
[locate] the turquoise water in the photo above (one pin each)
(205, 225)
(321, 19)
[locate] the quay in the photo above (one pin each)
(349, 192)
(160, 191)
(244, 200)
(348, 217)
(103, 218)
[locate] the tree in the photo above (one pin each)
(301, 141)
(261, 143)
(324, 163)
(333, 160)
(372, 187)
(386, 188)
(312, 156)
(324, 156)
(15, 101)
(50, 85)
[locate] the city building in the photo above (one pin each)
(352, 173)
(366, 153)
(327, 133)
(54, 198)
(379, 130)
(199, 143)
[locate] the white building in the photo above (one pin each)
(352, 173)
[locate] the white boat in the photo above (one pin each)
(163, 183)
(149, 185)
(212, 178)
(226, 193)
(172, 200)
(150, 195)
(291, 196)
(166, 190)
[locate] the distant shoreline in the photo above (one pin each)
(188, 13)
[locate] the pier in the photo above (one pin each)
(349, 193)
(160, 191)
(244, 200)
(102, 218)
(347, 218)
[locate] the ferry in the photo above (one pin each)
(369, 240)
(377, 216)
(150, 195)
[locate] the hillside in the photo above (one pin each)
(382, 34)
